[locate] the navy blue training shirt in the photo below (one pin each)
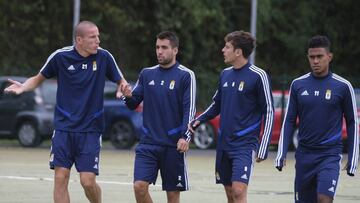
(81, 80)
(244, 101)
(321, 103)
(168, 96)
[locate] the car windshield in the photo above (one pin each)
(110, 90)
(278, 100)
(48, 91)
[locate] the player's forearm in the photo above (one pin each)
(33, 82)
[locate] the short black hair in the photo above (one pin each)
(171, 36)
(320, 41)
(241, 40)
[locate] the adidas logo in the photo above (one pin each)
(244, 176)
(96, 166)
(304, 93)
(332, 189)
(225, 85)
(152, 82)
(179, 185)
(71, 68)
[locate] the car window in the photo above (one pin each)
(3, 95)
(278, 100)
(48, 91)
(110, 90)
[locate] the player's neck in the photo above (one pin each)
(82, 52)
(240, 63)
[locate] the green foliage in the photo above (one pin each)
(32, 30)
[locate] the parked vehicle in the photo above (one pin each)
(29, 117)
(205, 135)
(122, 125)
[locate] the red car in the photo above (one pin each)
(205, 134)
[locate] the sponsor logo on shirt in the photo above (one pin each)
(328, 94)
(305, 93)
(71, 68)
(172, 84)
(94, 66)
(152, 82)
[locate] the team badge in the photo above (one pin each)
(328, 94)
(94, 66)
(241, 85)
(172, 84)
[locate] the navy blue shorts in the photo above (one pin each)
(316, 173)
(235, 165)
(150, 159)
(83, 149)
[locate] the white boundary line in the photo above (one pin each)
(71, 180)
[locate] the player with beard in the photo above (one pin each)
(167, 91)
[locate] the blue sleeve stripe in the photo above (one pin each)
(68, 48)
(65, 113)
(332, 138)
(175, 130)
(97, 114)
(269, 111)
(355, 152)
(248, 129)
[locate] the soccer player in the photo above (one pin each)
(244, 101)
(80, 71)
(168, 93)
(319, 99)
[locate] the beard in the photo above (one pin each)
(165, 61)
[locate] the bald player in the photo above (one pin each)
(79, 121)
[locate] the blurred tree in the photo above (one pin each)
(31, 30)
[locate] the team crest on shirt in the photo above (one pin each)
(94, 66)
(172, 84)
(241, 86)
(328, 94)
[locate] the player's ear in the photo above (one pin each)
(330, 55)
(238, 52)
(175, 50)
